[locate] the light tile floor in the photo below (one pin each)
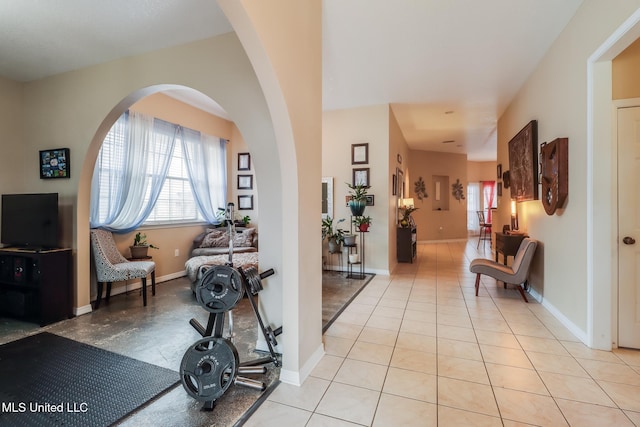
(420, 349)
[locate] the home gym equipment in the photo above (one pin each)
(211, 365)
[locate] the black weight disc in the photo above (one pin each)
(253, 279)
(208, 368)
(220, 289)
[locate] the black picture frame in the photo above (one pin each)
(499, 189)
(55, 163)
(394, 185)
(360, 154)
(244, 161)
(360, 176)
(523, 163)
(245, 202)
(245, 182)
(499, 170)
(371, 199)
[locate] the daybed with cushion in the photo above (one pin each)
(211, 247)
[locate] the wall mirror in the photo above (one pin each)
(327, 196)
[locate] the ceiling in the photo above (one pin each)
(448, 68)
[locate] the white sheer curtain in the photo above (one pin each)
(127, 180)
(206, 161)
(473, 206)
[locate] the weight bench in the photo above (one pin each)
(515, 275)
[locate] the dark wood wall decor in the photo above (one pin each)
(555, 173)
(523, 163)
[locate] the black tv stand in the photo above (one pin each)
(35, 284)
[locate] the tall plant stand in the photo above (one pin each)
(351, 250)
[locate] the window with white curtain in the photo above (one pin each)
(176, 202)
(473, 206)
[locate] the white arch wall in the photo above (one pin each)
(283, 39)
(76, 109)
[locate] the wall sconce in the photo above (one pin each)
(514, 215)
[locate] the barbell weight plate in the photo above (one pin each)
(208, 368)
(253, 280)
(220, 289)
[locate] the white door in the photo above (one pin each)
(629, 227)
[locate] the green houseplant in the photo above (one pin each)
(362, 222)
(332, 233)
(358, 200)
(140, 246)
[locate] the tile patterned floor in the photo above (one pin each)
(420, 349)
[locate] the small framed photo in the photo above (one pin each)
(499, 170)
(245, 182)
(55, 163)
(245, 203)
(360, 154)
(361, 177)
(244, 161)
(370, 199)
(499, 190)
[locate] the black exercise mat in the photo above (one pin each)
(49, 380)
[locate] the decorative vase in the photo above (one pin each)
(334, 246)
(354, 258)
(363, 227)
(139, 251)
(357, 207)
(349, 239)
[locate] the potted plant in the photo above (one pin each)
(358, 200)
(334, 236)
(362, 222)
(406, 219)
(243, 222)
(140, 246)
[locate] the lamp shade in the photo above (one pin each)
(408, 203)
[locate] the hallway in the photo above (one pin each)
(420, 349)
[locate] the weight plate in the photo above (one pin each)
(253, 279)
(208, 368)
(220, 289)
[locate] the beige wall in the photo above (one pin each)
(483, 171)
(556, 95)
(397, 146)
(340, 129)
(439, 224)
(16, 158)
(624, 68)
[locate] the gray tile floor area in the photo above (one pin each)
(160, 334)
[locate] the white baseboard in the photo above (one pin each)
(297, 378)
(442, 241)
(85, 309)
(572, 327)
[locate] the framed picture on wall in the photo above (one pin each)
(244, 161)
(523, 163)
(245, 202)
(361, 177)
(245, 182)
(55, 163)
(360, 154)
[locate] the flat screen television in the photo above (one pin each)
(30, 221)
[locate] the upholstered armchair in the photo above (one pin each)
(111, 266)
(517, 274)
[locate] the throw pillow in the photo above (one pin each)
(215, 238)
(244, 238)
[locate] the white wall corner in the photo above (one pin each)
(299, 377)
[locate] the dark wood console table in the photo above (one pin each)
(508, 244)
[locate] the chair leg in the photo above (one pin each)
(521, 290)
(99, 295)
(153, 283)
(108, 292)
(144, 291)
(477, 283)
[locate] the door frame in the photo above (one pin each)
(602, 221)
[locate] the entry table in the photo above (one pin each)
(508, 244)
